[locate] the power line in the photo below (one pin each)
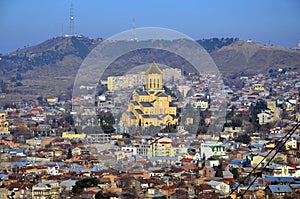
(279, 145)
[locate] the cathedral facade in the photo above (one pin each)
(151, 105)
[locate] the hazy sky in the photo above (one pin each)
(29, 22)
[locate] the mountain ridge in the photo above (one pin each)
(49, 68)
(251, 58)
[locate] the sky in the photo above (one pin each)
(30, 22)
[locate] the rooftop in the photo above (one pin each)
(153, 69)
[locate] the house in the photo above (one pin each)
(89, 194)
(67, 185)
(257, 158)
(278, 191)
(53, 169)
(72, 135)
(291, 144)
(3, 193)
(265, 117)
(207, 172)
(227, 175)
(3, 123)
(278, 170)
(19, 190)
(295, 188)
(221, 186)
(162, 147)
(47, 189)
(270, 180)
(209, 149)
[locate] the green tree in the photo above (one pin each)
(244, 138)
(256, 109)
(237, 121)
(100, 195)
(107, 121)
(84, 183)
(219, 171)
(235, 173)
(69, 154)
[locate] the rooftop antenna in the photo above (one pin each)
(133, 30)
(72, 19)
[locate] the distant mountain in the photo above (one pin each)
(213, 44)
(248, 58)
(49, 69)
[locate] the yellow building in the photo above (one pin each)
(162, 147)
(46, 189)
(72, 135)
(259, 87)
(150, 105)
(3, 123)
(111, 82)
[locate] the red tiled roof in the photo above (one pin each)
(186, 160)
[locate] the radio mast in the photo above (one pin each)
(72, 33)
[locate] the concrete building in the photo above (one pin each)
(162, 147)
(47, 189)
(3, 123)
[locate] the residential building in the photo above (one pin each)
(3, 123)
(162, 147)
(278, 191)
(47, 189)
(72, 135)
(210, 149)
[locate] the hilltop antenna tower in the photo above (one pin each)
(72, 19)
(133, 30)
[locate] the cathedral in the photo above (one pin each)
(150, 105)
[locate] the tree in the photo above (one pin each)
(69, 119)
(235, 173)
(107, 121)
(190, 93)
(69, 154)
(256, 109)
(100, 195)
(180, 194)
(219, 171)
(244, 138)
(84, 183)
(40, 99)
(21, 129)
(237, 121)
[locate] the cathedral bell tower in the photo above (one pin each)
(154, 77)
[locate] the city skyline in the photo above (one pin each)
(27, 23)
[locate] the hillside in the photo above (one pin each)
(49, 69)
(248, 58)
